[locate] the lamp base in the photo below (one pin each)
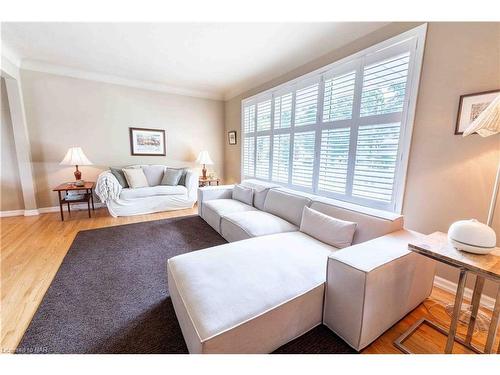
(204, 172)
(78, 174)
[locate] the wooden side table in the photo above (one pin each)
(437, 247)
(87, 197)
(208, 181)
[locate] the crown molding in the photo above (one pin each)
(39, 66)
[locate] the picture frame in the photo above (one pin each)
(470, 106)
(147, 142)
(231, 137)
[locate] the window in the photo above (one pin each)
(342, 131)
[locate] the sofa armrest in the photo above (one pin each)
(208, 193)
(373, 285)
(191, 184)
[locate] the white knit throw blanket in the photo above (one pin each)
(107, 188)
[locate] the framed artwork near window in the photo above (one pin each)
(147, 142)
(231, 136)
(471, 106)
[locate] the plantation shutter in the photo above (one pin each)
(334, 156)
(338, 97)
(249, 119)
(303, 159)
(384, 86)
(342, 131)
(248, 156)
(262, 157)
(283, 111)
(306, 105)
(281, 157)
(376, 156)
(264, 115)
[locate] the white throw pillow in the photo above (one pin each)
(243, 194)
(327, 229)
(135, 177)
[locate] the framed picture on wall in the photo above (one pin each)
(147, 142)
(471, 106)
(231, 136)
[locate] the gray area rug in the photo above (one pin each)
(110, 294)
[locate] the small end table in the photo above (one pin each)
(437, 247)
(208, 181)
(87, 197)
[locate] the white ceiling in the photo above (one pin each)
(218, 60)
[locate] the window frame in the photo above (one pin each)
(413, 41)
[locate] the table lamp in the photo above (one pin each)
(204, 159)
(76, 157)
(471, 235)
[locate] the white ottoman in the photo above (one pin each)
(372, 285)
(250, 296)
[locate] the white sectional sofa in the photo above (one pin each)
(267, 286)
(154, 198)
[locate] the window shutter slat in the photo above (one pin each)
(376, 157)
(306, 105)
(303, 159)
(281, 157)
(339, 97)
(334, 156)
(248, 156)
(262, 155)
(384, 86)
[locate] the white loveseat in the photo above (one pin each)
(154, 198)
(267, 286)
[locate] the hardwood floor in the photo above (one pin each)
(32, 249)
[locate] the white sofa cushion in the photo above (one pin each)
(135, 177)
(153, 173)
(327, 229)
(243, 194)
(249, 296)
(151, 191)
(260, 188)
(243, 225)
(287, 205)
(372, 223)
(213, 210)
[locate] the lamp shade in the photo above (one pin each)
(75, 156)
(488, 122)
(204, 158)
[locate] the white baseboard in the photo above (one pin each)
(11, 213)
(44, 210)
(19, 213)
(450, 286)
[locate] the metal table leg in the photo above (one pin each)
(493, 325)
(476, 299)
(456, 311)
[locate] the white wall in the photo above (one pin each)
(64, 112)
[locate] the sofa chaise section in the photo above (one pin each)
(249, 296)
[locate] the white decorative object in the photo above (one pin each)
(204, 159)
(473, 236)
